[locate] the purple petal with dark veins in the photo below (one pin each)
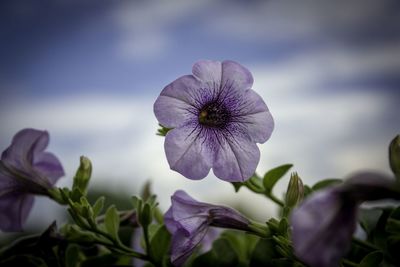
(186, 152)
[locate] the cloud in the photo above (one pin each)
(147, 28)
(309, 21)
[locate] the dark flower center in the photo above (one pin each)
(214, 115)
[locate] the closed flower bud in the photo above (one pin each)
(295, 191)
(82, 176)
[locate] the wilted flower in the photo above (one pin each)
(217, 119)
(189, 220)
(324, 223)
(25, 169)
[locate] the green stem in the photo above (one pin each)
(365, 244)
(147, 240)
(275, 199)
(349, 263)
(259, 229)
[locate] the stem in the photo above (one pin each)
(275, 199)
(259, 229)
(365, 244)
(147, 240)
(349, 263)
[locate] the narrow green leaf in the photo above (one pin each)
(326, 183)
(373, 259)
(214, 256)
(273, 176)
(159, 244)
(98, 206)
(73, 256)
(242, 243)
(111, 221)
(263, 253)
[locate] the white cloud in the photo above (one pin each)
(146, 28)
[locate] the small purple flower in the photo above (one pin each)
(25, 169)
(189, 220)
(323, 225)
(217, 119)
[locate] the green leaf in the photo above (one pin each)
(73, 256)
(98, 206)
(307, 191)
(273, 176)
(263, 253)
(242, 243)
(76, 234)
(222, 254)
(105, 260)
(160, 244)
(284, 227)
(111, 222)
(326, 183)
(369, 218)
(373, 259)
(162, 131)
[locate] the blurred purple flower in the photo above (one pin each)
(322, 228)
(25, 169)
(323, 225)
(189, 220)
(217, 120)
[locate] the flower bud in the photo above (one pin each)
(295, 191)
(394, 156)
(83, 174)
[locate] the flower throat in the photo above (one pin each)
(214, 115)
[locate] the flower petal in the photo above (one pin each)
(175, 105)
(25, 144)
(49, 166)
(186, 152)
(14, 210)
(208, 71)
(255, 117)
(235, 75)
(183, 246)
(237, 158)
(322, 228)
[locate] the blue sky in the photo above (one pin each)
(89, 72)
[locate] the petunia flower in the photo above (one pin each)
(217, 119)
(323, 225)
(189, 220)
(25, 170)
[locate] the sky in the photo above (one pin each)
(89, 72)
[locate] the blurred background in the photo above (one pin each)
(90, 71)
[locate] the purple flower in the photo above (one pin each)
(189, 220)
(323, 225)
(217, 119)
(25, 169)
(322, 228)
